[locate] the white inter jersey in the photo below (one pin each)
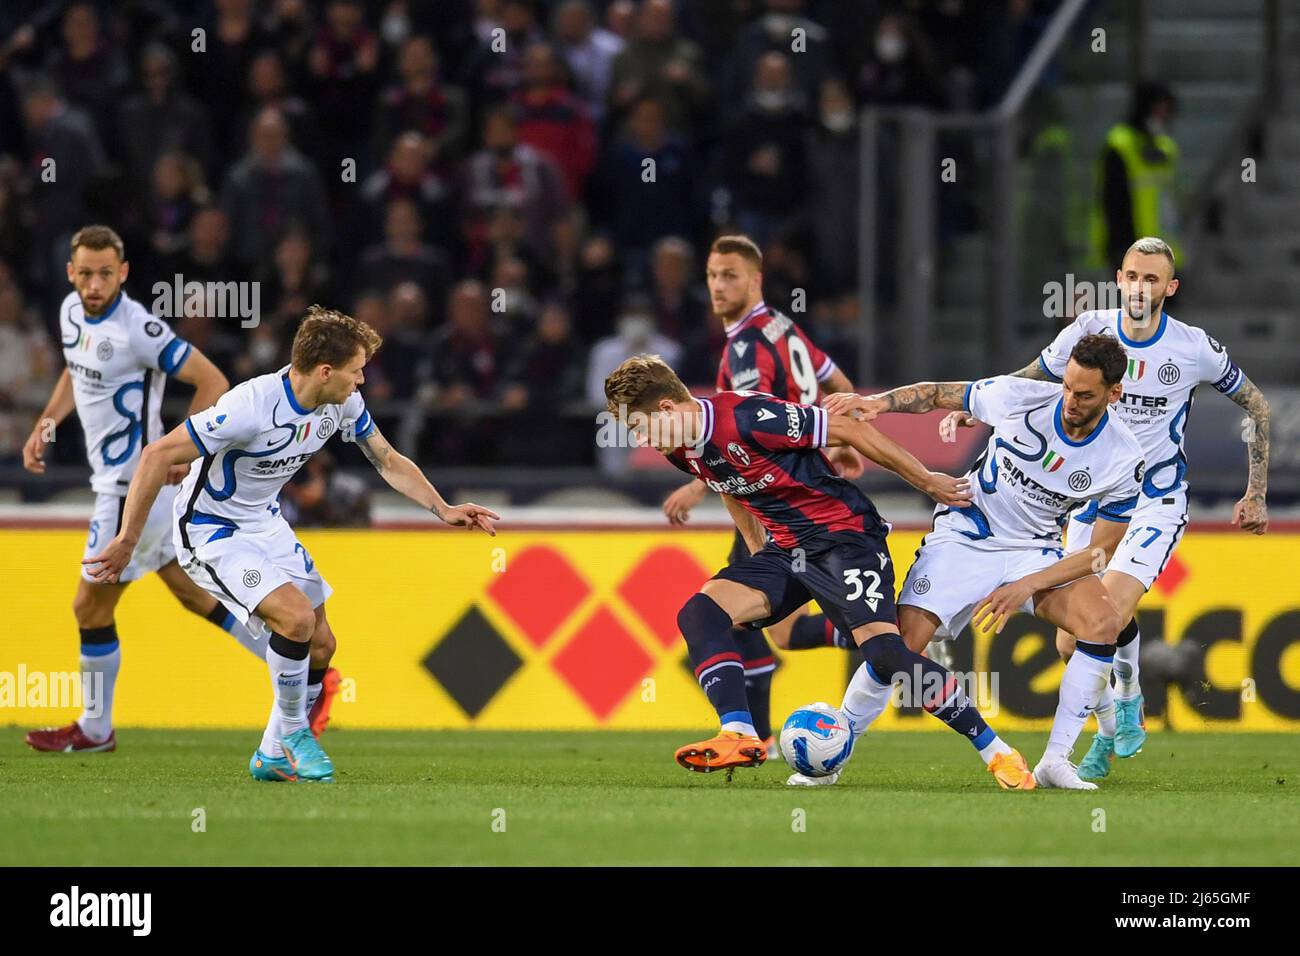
(253, 440)
(118, 361)
(1031, 474)
(1162, 374)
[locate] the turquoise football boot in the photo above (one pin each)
(1130, 726)
(306, 754)
(271, 769)
(1096, 764)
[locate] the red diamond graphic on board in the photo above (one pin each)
(603, 663)
(538, 591)
(658, 587)
(1172, 578)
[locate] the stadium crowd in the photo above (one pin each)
(469, 177)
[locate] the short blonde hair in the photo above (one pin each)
(329, 337)
(640, 382)
(1153, 246)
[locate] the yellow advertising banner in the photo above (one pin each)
(577, 629)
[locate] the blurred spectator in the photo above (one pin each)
(679, 300)
(588, 50)
(901, 70)
(505, 29)
(507, 172)
(773, 32)
(636, 334)
(321, 496)
(598, 289)
(513, 304)
(404, 257)
(764, 150)
(89, 71)
(342, 65)
(161, 118)
(176, 193)
(620, 19)
(506, 240)
(832, 151)
(422, 103)
(553, 120)
(220, 74)
(398, 368)
(548, 370)
(1138, 179)
(205, 257)
(466, 354)
(271, 188)
(658, 63)
(297, 279)
(14, 241)
(407, 175)
(63, 135)
(641, 212)
(27, 371)
(268, 88)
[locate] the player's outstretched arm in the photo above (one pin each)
(62, 403)
(884, 451)
(999, 606)
(964, 419)
(209, 384)
(914, 399)
(678, 505)
(174, 448)
(1250, 512)
(405, 476)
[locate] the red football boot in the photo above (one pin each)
(319, 716)
(69, 740)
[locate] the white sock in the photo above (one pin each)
(1106, 713)
(739, 727)
(865, 699)
(98, 680)
(1085, 680)
(994, 747)
(289, 683)
(1126, 669)
(271, 745)
(313, 692)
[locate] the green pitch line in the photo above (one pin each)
(428, 798)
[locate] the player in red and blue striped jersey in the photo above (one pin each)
(765, 351)
(827, 542)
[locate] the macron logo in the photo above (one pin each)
(134, 910)
(741, 348)
(763, 415)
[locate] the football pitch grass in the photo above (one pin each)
(616, 798)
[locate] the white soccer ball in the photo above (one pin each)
(816, 740)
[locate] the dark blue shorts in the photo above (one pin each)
(850, 574)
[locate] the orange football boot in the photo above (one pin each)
(728, 749)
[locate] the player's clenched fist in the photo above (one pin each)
(1251, 514)
(678, 505)
(470, 516)
(34, 451)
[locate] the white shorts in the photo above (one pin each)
(155, 548)
(949, 578)
(241, 566)
(1156, 527)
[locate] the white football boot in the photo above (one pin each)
(1059, 773)
(801, 780)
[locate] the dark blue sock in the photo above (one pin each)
(928, 684)
(759, 664)
(718, 668)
